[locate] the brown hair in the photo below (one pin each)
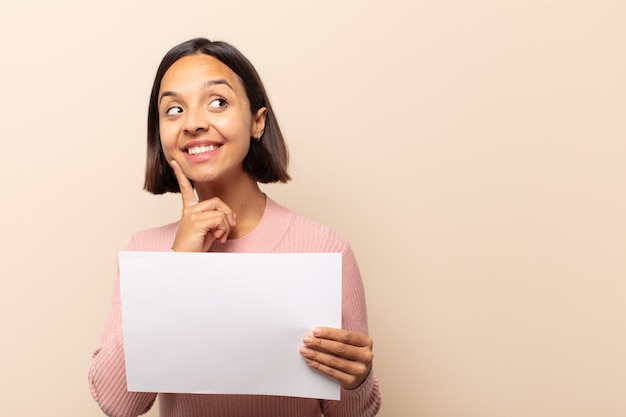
(266, 160)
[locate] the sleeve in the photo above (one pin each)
(365, 400)
(107, 375)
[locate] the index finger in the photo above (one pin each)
(343, 336)
(186, 189)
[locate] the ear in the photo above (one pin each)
(258, 122)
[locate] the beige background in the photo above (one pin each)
(472, 151)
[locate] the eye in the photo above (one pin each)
(218, 103)
(173, 111)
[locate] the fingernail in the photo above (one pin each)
(307, 339)
(317, 331)
(304, 350)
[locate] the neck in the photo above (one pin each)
(243, 196)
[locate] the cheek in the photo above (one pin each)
(234, 125)
(167, 144)
(168, 136)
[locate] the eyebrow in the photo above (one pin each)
(219, 81)
(206, 84)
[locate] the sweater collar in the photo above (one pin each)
(265, 236)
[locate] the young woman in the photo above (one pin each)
(213, 137)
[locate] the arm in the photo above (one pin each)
(200, 224)
(107, 375)
(360, 394)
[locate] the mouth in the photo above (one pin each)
(197, 150)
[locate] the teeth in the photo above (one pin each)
(201, 149)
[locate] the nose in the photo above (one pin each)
(196, 121)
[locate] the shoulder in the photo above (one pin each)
(307, 235)
(154, 239)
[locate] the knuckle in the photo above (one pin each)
(330, 371)
(341, 349)
(333, 362)
(368, 356)
(193, 216)
(314, 364)
(345, 336)
(360, 369)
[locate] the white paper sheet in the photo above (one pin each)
(227, 323)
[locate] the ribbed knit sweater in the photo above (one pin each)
(280, 231)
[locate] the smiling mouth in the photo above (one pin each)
(195, 150)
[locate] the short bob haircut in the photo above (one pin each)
(267, 159)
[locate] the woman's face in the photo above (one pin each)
(205, 119)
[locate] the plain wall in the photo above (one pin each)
(473, 152)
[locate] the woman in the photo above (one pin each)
(213, 137)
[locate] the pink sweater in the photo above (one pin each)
(280, 230)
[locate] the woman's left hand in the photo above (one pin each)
(344, 355)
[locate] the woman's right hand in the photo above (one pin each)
(202, 222)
